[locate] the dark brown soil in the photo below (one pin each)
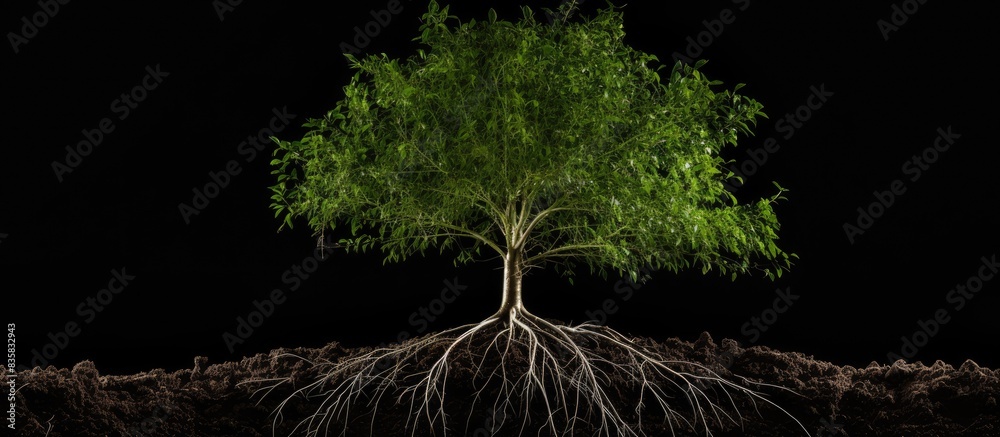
(898, 400)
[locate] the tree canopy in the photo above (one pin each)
(556, 141)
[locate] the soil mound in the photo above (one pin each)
(208, 400)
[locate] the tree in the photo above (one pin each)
(542, 144)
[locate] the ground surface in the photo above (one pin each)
(898, 400)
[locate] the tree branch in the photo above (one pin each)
(568, 248)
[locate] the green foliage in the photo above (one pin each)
(556, 141)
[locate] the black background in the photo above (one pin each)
(59, 241)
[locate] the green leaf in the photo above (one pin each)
(493, 122)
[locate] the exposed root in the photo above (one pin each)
(553, 379)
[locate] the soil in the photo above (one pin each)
(829, 400)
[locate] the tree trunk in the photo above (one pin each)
(511, 285)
